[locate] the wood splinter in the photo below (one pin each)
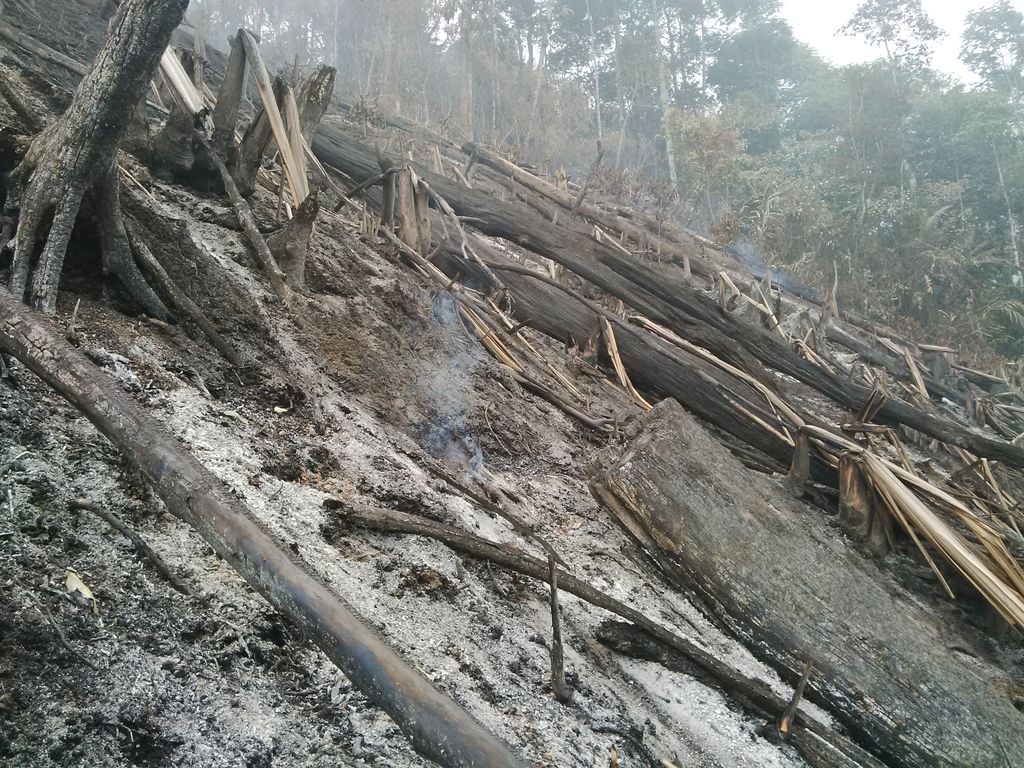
(783, 725)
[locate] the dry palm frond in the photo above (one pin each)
(915, 515)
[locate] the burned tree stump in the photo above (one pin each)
(77, 154)
(771, 572)
(290, 244)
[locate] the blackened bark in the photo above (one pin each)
(436, 726)
(78, 153)
(666, 300)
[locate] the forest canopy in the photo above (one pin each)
(901, 181)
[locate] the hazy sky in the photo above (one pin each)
(815, 22)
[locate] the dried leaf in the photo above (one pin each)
(75, 584)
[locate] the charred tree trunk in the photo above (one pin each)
(77, 154)
(314, 98)
(655, 367)
(768, 570)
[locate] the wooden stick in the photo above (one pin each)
(248, 222)
(48, 617)
(753, 695)
(137, 541)
(559, 687)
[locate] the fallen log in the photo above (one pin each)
(435, 725)
(667, 301)
(655, 366)
(576, 204)
(40, 50)
(769, 571)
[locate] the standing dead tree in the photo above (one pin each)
(77, 155)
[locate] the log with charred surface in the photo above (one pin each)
(666, 300)
(575, 204)
(436, 725)
(570, 245)
(768, 570)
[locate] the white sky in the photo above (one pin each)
(815, 22)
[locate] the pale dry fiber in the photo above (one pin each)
(293, 169)
(182, 89)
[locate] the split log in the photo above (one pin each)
(666, 300)
(768, 570)
(437, 727)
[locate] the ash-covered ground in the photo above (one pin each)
(356, 393)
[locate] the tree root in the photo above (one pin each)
(184, 304)
(77, 155)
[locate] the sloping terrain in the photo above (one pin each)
(368, 389)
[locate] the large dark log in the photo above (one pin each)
(692, 255)
(771, 572)
(570, 245)
(666, 300)
(436, 725)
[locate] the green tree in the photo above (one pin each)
(993, 45)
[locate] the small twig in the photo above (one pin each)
(559, 687)
(137, 541)
(48, 617)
